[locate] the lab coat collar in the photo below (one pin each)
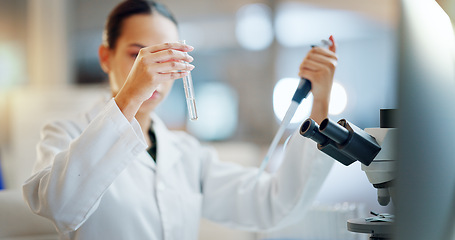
(168, 153)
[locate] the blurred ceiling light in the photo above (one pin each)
(254, 29)
(338, 99)
(282, 97)
(217, 107)
(298, 24)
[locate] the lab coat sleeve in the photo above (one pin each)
(74, 170)
(233, 195)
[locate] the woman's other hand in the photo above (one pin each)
(319, 67)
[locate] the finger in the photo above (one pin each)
(170, 55)
(327, 61)
(172, 67)
(164, 46)
(313, 76)
(170, 76)
(307, 74)
(323, 51)
(314, 66)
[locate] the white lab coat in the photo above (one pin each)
(95, 180)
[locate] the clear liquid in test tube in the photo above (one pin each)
(189, 94)
(190, 100)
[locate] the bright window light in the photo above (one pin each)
(282, 97)
(254, 27)
(338, 99)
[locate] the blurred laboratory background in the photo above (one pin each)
(247, 54)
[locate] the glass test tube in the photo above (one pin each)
(189, 94)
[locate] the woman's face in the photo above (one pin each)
(139, 31)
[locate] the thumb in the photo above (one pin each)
(332, 48)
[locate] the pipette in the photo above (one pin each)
(189, 94)
(300, 93)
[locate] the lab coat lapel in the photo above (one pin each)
(167, 152)
(143, 157)
(147, 160)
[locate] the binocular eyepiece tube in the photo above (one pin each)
(334, 131)
(310, 129)
(343, 141)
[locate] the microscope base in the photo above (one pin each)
(378, 230)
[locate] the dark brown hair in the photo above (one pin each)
(125, 9)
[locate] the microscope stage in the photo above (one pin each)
(380, 230)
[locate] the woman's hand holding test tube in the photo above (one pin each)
(189, 93)
(154, 66)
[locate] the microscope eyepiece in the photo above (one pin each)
(342, 140)
(310, 128)
(334, 131)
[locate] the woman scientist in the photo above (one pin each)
(98, 175)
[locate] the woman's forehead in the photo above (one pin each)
(147, 29)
